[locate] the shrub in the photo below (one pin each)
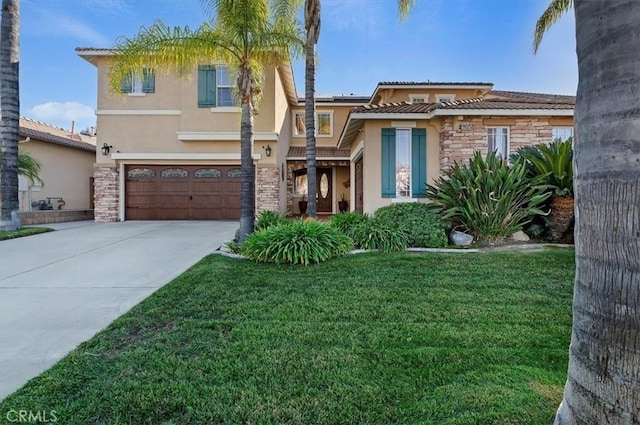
(379, 234)
(423, 227)
(487, 197)
(554, 162)
(347, 222)
(296, 242)
(267, 219)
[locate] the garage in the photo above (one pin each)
(181, 192)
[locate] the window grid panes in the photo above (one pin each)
(324, 124)
(224, 87)
(562, 133)
(403, 163)
(498, 140)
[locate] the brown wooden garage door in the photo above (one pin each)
(181, 192)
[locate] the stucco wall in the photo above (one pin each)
(372, 159)
(403, 95)
(66, 173)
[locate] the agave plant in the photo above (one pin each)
(553, 162)
(487, 197)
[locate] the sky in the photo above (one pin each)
(362, 42)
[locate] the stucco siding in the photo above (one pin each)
(66, 173)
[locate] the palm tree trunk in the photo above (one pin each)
(10, 107)
(312, 25)
(603, 385)
(247, 185)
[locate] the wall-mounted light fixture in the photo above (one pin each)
(105, 149)
(267, 150)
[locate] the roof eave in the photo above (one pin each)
(505, 112)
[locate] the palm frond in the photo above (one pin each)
(404, 6)
(550, 16)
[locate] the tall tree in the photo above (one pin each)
(245, 35)
(10, 107)
(312, 27)
(603, 384)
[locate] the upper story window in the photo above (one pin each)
(418, 98)
(214, 87)
(442, 98)
(324, 124)
(139, 84)
(498, 141)
(562, 133)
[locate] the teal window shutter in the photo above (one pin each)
(419, 163)
(206, 86)
(126, 85)
(148, 81)
(388, 163)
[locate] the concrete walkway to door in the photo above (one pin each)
(59, 289)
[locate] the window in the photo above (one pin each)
(498, 140)
(300, 182)
(418, 98)
(145, 83)
(225, 95)
(214, 88)
(442, 98)
(562, 133)
(324, 124)
(404, 162)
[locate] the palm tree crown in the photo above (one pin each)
(245, 35)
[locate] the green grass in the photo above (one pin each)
(374, 338)
(22, 232)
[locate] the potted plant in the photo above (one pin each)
(302, 204)
(343, 204)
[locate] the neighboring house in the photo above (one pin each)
(172, 144)
(66, 167)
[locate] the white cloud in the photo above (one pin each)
(112, 5)
(62, 25)
(63, 113)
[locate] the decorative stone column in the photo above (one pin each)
(267, 188)
(106, 194)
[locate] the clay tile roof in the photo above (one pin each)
(321, 152)
(513, 100)
(93, 49)
(432, 83)
(56, 135)
(396, 107)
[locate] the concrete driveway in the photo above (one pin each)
(59, 289)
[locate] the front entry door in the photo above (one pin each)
(325, 194)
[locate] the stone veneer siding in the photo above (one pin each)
(106, 194)
(458, 146)
(267, 189)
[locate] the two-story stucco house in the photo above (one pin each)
(169, 147)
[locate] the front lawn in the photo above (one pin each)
(375, 338)
(24, 231)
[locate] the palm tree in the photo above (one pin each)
(245, 35)
(10, 107)
(312, 27)
(604, 356)
(29, 167)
